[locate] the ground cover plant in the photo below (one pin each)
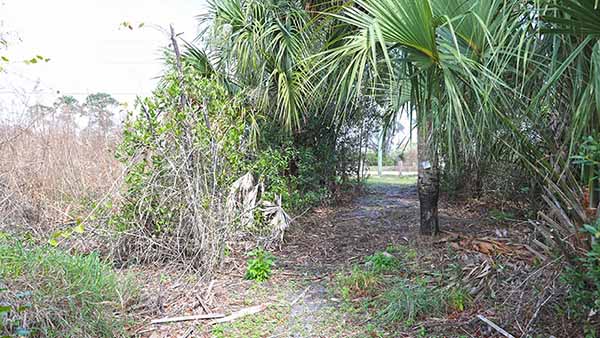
(48, 292)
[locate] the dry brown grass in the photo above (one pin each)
(52, 175)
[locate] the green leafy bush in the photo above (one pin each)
(382, 261)
(584, 279)
(260, 265)
(182, 161)
(48, 292)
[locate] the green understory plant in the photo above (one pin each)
(584, 279)
(260, 265)
(382, 261)
(357, 282)
(48, 292)
(459, 299)
(407, 301)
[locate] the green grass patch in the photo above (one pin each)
(406, 301)
(391, 180)
(356, 283)
(260, 325)
(390, 289)
(59, 294)
(265, 323)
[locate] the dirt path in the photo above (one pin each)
(331, 238)
(332, 241)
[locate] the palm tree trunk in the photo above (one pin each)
(428, 184)
(380, 153)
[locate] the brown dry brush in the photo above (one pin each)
(184, 188)
(50, 175)
(183, 215)
(181, 201)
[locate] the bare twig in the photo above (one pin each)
(201, 303)
(239, 314)
(208, 290)
(187, 318)
(182, 98)
(188, 333)
(495, 327)
(300, 296)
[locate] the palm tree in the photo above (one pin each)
(563, 107)
(441, 51)
(258, 47)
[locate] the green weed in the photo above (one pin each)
(259, 265)
(408, 301)
(382, 261)
(357, 282)
(502, 216)
(459, 299)
(584, 279)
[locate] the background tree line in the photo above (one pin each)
(97, 114)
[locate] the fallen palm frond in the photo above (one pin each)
(490, 246)
(246, 198)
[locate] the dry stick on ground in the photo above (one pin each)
(208, 290)
(239, 314)
(187, 333)
(495, 327)
(300, 296)
(201, 303)
(187, 318)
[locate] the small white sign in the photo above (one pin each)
(426, 165)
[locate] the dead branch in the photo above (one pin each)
(187, 318)
(300, 296)
(495, 327)
(239, 314)
(182, 98)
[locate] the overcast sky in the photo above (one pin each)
(88, 49)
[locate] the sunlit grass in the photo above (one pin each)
(391, 180)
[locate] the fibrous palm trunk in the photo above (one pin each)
(428, 184)
(380, 153)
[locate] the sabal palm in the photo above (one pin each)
(259, 47)
(437, 49)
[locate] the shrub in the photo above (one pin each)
(181, 163)
(382, 261)
(584, 279)
(51, 293)
(259, 265)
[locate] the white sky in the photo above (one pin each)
(89, 50)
